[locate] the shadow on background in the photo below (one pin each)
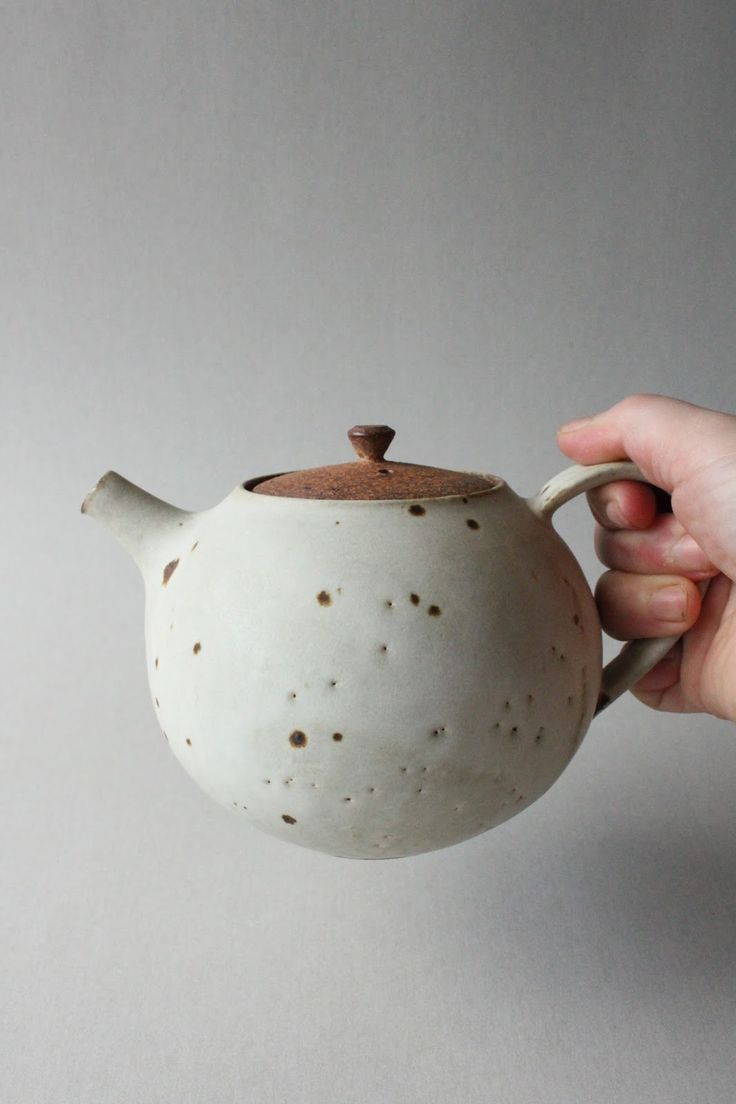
(673, 900)
(649, 919)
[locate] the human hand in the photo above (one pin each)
(657, 560)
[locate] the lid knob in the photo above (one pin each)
(371, 441)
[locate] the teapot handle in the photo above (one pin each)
(638, 656)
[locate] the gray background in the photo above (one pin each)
(230, 231)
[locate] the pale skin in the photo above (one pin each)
(656, 560)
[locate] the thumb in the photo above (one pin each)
(684, 449)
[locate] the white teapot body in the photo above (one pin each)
(371, 679)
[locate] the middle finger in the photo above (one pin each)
(665, 548)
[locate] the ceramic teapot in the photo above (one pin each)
(372, 659)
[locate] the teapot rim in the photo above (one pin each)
(495, 484)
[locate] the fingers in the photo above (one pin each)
(661, 687)
(663, 675)
(623, 505)
(669, 439)
(631, 606)
(664, 548)
(685, 450)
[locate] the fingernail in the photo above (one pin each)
(669, 603)
(689, 556)
(615, 515)
(575, 425)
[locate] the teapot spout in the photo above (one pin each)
(138, 520)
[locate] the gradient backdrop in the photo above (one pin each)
(229, 231)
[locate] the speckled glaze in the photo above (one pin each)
(371, 679)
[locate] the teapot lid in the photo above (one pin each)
(371, 476)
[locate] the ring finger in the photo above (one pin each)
(646, 605)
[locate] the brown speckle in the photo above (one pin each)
(155, 663)
(292, 694)
(194, 546)
(337, 737)
(389, 604)
(288, 819)
(530, 698)
(169, 571)
(434, 611)
(384, 647)
(347, 799)
(514, 732)
(197, 648)
(576, 619)
(157, 703)
(324, 598)
(540, 734)
(417, 510)
(414, 599)
(188, 742)
(298, 739)
(465, 500)
(472, 523)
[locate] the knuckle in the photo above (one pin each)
(634, 401)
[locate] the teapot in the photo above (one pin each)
(373, 659)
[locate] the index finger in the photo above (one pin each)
(669, 439)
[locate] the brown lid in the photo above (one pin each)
(371, 476)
